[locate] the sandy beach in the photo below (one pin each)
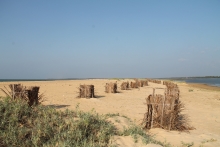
(202, 105)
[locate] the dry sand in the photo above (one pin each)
(202, 104)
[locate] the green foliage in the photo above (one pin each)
(187, 144)
(190, 90)
(22, 125)
(136, 132)
(26, 126)
(117, 79)
(108, 115)
(209, 140)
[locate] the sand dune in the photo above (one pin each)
(202, 105)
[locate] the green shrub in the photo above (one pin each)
(22, 125)
(190, 90)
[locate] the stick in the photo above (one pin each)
(13, 91)
(161, 122)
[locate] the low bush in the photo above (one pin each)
(22, 125)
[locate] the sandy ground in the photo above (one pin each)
(202, 104)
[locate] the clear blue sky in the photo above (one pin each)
(109, 38)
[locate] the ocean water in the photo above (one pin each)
(17, 80)
(208, 81)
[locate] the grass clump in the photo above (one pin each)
(136, 132)
(108, 115)
(190, 90)
(22, 125)
(187, 144)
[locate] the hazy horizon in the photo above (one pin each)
(206, 77)
(109, 39)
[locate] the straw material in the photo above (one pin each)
(86, 91)
(145, 82)
(33, 97)
(154, 81)
(125, 86)
(18, 91)
(135, 84)
(111, 88)
(164, 111)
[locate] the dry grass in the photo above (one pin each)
(164, 111)
(30, 94)
(111, 88)
(125, 86)
(86, 91)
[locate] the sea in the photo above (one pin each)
(200, 80)
(18, 80)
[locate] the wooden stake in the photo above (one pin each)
(161, 121)
(13, 91)
(152, 121)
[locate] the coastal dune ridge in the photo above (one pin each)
(201, 101)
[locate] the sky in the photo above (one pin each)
(109, 38)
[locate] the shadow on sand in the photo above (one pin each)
(58, 106)
(99, 96)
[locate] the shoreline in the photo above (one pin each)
(194, 85)
(199, 85)
(34, 80)
(201, 105)
(203, 86)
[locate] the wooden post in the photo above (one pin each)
(153, 91)
(86, 91)
(161, 121)
(172, 112)
(13, 91)
(152, 117)
(33, 96)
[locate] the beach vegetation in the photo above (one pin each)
(117, 79)
(209, 140)
(184, 144)
(190, 90)
(38, 125)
